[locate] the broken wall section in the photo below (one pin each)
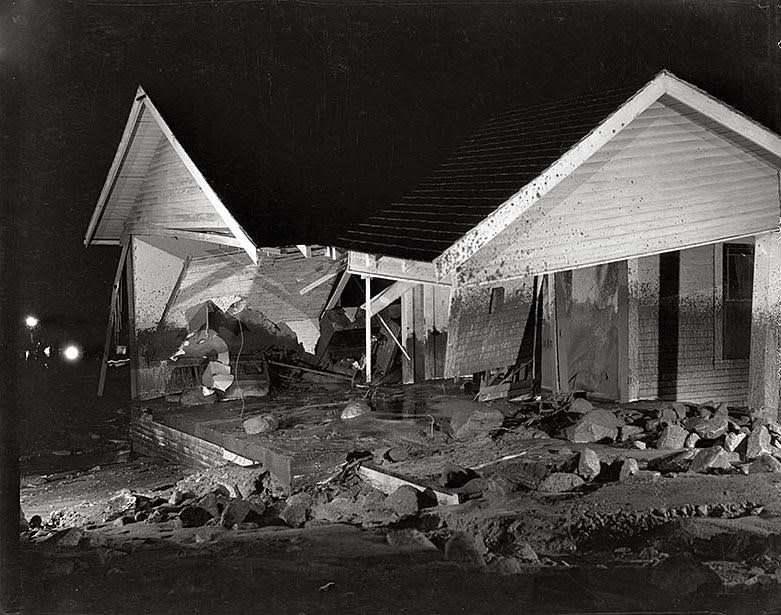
(487, 325)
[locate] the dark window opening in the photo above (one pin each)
(738, 288)
(497, 299)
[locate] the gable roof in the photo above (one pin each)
(516, 158)
(145, 131)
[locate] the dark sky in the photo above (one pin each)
(358, 100)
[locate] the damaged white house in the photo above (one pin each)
(625, 243)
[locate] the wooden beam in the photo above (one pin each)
(336, 293)
(764, 360)
(368, 328)
(131, 126)
(387, 296)
(318, 282)
(111, 315)
(408, 337)
(227, 240)
(388, 483)
(393, 337)
(131, 321)
(390, 268)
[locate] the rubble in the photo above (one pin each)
(595, 426)
(355, 408)
(765, 462)
(713, 458)
(589, 465)
(758, 442)
(559, 482)
(468, 423)
(673, 436)
(261, 424)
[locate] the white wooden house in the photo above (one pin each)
(641, 226)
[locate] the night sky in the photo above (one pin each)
(357, 100)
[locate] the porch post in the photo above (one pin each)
(368, 328)
(765, 327)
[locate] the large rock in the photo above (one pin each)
(629, 467)
(627, 432)
(194, 516)
(409, 538)
(589, 464)
(764, 463)
(758, 442)
(470, 423)
(235, 512)
(261, 424)
(595, 426)
(713, 427)
(462, 549)
(559, 482)
(355, 408)
(672, 436)
(296, 510)
(580, 405)
(691, 440)
(713, 458)
(236, 481)
(407, 500)
(733, 440)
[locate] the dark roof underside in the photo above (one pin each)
(500, 158)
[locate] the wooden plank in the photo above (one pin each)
(119, 158)
(152, 231)
(388, 483)
(321, 280)
(111, 319)
(391, 268)
(336, 292)
(428, 333)
(388, 295)
(496, 391)
(631, 389)
(419, 333)
(624, 388)
(408, 337)
(131, 321)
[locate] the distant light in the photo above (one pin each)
(72, 353)
(47, 351)
(31, 321)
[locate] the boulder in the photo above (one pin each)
(355, 408)
(296, 509)
(407, 500)
(629, 467)
(627, 432)
(505, 566)
(235, 512)
(757, 442)
(194, 516)
(733, 440)
(409, 538)
(462, 549)
(713, 458)
(677, 462)
(471, 423)
(667, 416)
(597, 425)
(764, 463)
(589, 465)
(559, 482)
(261, 424)
(712, 427)
(672, 436)
(680, 409)
(580, 405)
(691, 440)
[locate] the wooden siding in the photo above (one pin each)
(664, 182)
(170, 198)
(480, 340)
(145, 141)
(702, 374)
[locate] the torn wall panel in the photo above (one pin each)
(155, 273)
(487, 325)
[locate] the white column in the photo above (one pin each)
(368, 327)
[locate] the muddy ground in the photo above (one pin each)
(685, 543)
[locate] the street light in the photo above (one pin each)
(31, 322)
(72, 353)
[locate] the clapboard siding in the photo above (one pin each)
(664, 182)
(146, 140)
(702, 374)
(480, 340)
(170, 198)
